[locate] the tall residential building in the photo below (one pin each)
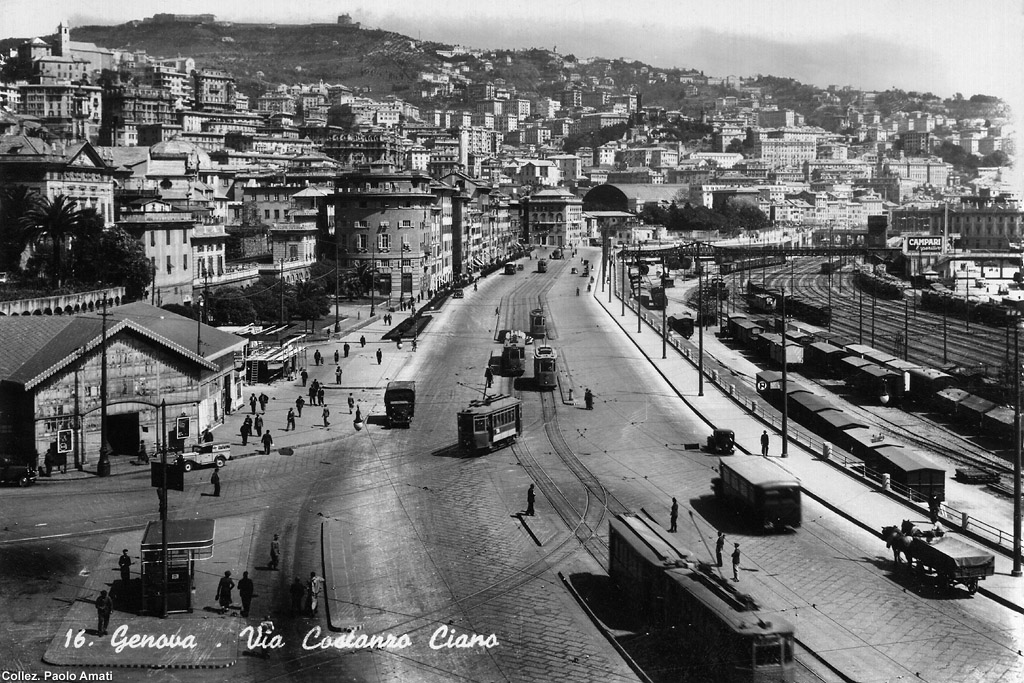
(394, 223)
(554, 217)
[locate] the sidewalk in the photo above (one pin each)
(827, 482)
(204, 638)
(361, 376)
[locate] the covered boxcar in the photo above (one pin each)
(823, 358)
(911, 470)
(972, 409)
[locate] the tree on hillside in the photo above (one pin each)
(111, 257)
(56, 222)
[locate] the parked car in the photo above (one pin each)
(458, 294)
(206, 454)
(13, 473)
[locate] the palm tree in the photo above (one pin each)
(15, 202)
(56, 221)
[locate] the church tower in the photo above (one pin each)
(64, 40)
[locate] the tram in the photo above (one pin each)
(513, 354)
(705, 623)
(545, 367)
(538, 324)
(760, 489)
(490, 423)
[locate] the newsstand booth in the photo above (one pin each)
(188, 540)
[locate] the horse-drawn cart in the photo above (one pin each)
(950, 559)
(953, 561)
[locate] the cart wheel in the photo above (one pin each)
(972, 586)
(220, 461)
(187, 466)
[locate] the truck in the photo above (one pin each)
(400, 403)
(542, 266)
(205, 454)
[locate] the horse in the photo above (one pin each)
(899, 542)
(909, 529)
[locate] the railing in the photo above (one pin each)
(954, 517)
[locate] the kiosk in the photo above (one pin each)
(188, 540)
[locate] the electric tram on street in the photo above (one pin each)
(545, 367)
(490, 423)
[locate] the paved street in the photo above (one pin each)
(414, 538)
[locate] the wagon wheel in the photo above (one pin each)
(972, 586)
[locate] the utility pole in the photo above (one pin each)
(700, 322)
(280, 319)
(103, 466)
(785, 391)
(163, 504)
(664, 310)
(1016, 451)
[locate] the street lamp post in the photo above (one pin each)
(373, 274)
(337, 277)
(103, 466)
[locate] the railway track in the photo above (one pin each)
(907, 426)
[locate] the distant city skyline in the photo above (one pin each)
(938, 46)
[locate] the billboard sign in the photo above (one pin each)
(921, 244)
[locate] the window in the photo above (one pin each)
(184, 262)
(363, 241)
(170, 266)
(406, 224)
(266, 213)
(384, 242)
(277, 214)
(167, 236)
(152, 238)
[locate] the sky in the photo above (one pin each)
(938, 46)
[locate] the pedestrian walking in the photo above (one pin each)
(316, 357)
(275, 552)
(588, 399)
(362, 341)
(673, 516)
(764, 443)
(258, 425)
(337, 375)
(489, 376)
(246, 588)
(298, 593)
(531, 498)
(268, 441)
(124, 563)
(736, 562)
(207, 435)
(264, 400)
(246, 430)
(252, 403)
(327, 414)
(320, 395)
(104, 606)
(304, 375)
(224, 588)
(290, 424)
(299, 402)
(380, 355)
(312, 392)
(345, 348)
(351, 404)
(337, 356)
(934, 506)
(719, 546)
(315, 588)
(266, 628)
(215, 480)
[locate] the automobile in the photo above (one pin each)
(13, 473)
(211, 453)
(458, 294)
(722, 441)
